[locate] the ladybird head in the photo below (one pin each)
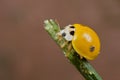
(68, 32)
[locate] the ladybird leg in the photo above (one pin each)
(59, 36)
(67, 54)
(81, 57)
(69, 49)
(69, 46)
(63, 45)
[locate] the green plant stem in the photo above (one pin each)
(82, 65)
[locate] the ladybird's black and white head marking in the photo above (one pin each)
(68, 32)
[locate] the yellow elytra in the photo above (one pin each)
(86, 42)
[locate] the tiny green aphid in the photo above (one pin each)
(85, 40)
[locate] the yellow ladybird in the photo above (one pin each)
(84, 40)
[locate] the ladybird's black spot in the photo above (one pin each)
(72, 32)
(92, 48)
(63, 34)
(72, 27)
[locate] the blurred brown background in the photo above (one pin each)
(28, 53)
